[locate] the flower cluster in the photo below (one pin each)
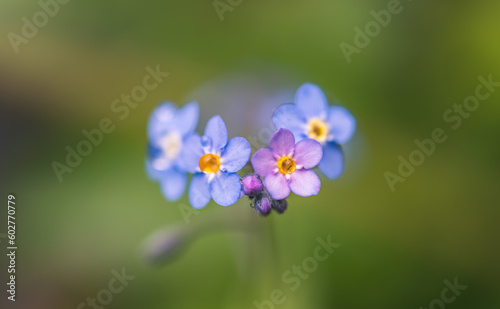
(309, 134)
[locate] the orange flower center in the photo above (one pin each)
(209, 163)
(286, 165)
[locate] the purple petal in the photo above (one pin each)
(308, 153)
(225, 188)
(191, 153)
(282, 143)
(173, 184)
(264, 162)
(332, 164)
(311, 101)
(235, 155)
(216, 130)
(199, 193)
(305, 182)
(342, 124)
(277, 186)
(287, 116)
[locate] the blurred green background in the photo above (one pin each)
(396, 249)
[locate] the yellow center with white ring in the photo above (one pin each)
(318, 129)
(171, 145)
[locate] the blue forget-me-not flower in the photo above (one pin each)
(215, 161)
(168, 130)
(311, 117)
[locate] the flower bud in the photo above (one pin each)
(164, 245)
(263, 206)
(280, 206)
(252, 185)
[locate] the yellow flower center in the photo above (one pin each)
(209, 163)
(318, 130)
(286, 165)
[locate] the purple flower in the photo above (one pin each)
(311, 117)
(286, 166)
(215, 161)
(168, 129)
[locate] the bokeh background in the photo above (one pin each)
(396, 249)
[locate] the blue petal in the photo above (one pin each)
(152, 173)
(173, 184)
(186, 118)
(191, 153)
(156, 163)
(216, 130)
(342, 124)
(332, 164)
(166, 117)
(235, 155)
(311, 101)
(199, 193)
(225, 188)
(161, 120)
(154, 152)
(287, 116)
(206, 143)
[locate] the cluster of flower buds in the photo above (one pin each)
(260, 199)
